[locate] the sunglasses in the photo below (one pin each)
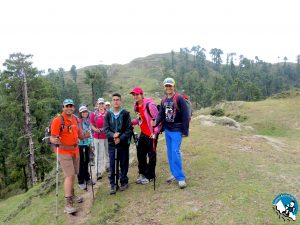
(168, 85)
(69, 106)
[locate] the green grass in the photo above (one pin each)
(37, 206)
(232, 177)
(226, 184)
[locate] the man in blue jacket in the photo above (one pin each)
(118, 130)
(175, 118)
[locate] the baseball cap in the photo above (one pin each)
(169, 81)
(68, 102)
(100, 100)
(137, 90)
(107, 103)
(82, 109)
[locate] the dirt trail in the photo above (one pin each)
(82, 215)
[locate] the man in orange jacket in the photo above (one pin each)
(65, 135)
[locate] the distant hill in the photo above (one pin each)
(144, 72)
(148, 73)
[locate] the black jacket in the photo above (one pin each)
(174, 119)
(121, 124)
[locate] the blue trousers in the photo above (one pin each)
(173, 140)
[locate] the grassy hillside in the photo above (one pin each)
(144, 72)
(232, 175)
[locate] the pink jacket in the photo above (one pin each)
(153, 111)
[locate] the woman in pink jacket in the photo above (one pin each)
(146, 111)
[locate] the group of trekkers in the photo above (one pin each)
(108, 131)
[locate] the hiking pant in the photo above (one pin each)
(146, 147)
(83, 164)
(173, 140)
(123, 161)
(106, 155)
(100, 154)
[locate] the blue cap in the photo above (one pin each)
(68, 102)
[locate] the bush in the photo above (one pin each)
(240, 118)
(217, 112)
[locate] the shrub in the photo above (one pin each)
(217, 112)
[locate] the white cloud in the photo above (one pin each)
(63, 33)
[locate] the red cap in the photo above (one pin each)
(137, 90)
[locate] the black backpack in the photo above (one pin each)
(46, 139)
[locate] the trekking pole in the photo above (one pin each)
(56, 194)
(154, 149)
(116, 169)
(92, 180)
(84, 159)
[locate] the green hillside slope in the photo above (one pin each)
(144, 72)
(232, 175)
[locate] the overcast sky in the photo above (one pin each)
(60, 33)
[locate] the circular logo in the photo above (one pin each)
(286, 206)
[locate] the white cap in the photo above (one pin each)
(83, 108)
(107, 103)
(100, 100)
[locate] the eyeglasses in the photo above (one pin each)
(69, 106)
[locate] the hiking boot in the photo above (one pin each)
(76, 198)
(113, 190)
(144, 181)
(99, 176)
(123, 187)
(139, 178)
(182, 184)
(69, 208)
(90, 182)
(170, 179)
(82, 186)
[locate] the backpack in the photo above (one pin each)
(46, 139)
(148, 111)
(188, 103)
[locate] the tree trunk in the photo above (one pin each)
(93, 95)
(25, 179)
(28, 129)
(4, 169)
